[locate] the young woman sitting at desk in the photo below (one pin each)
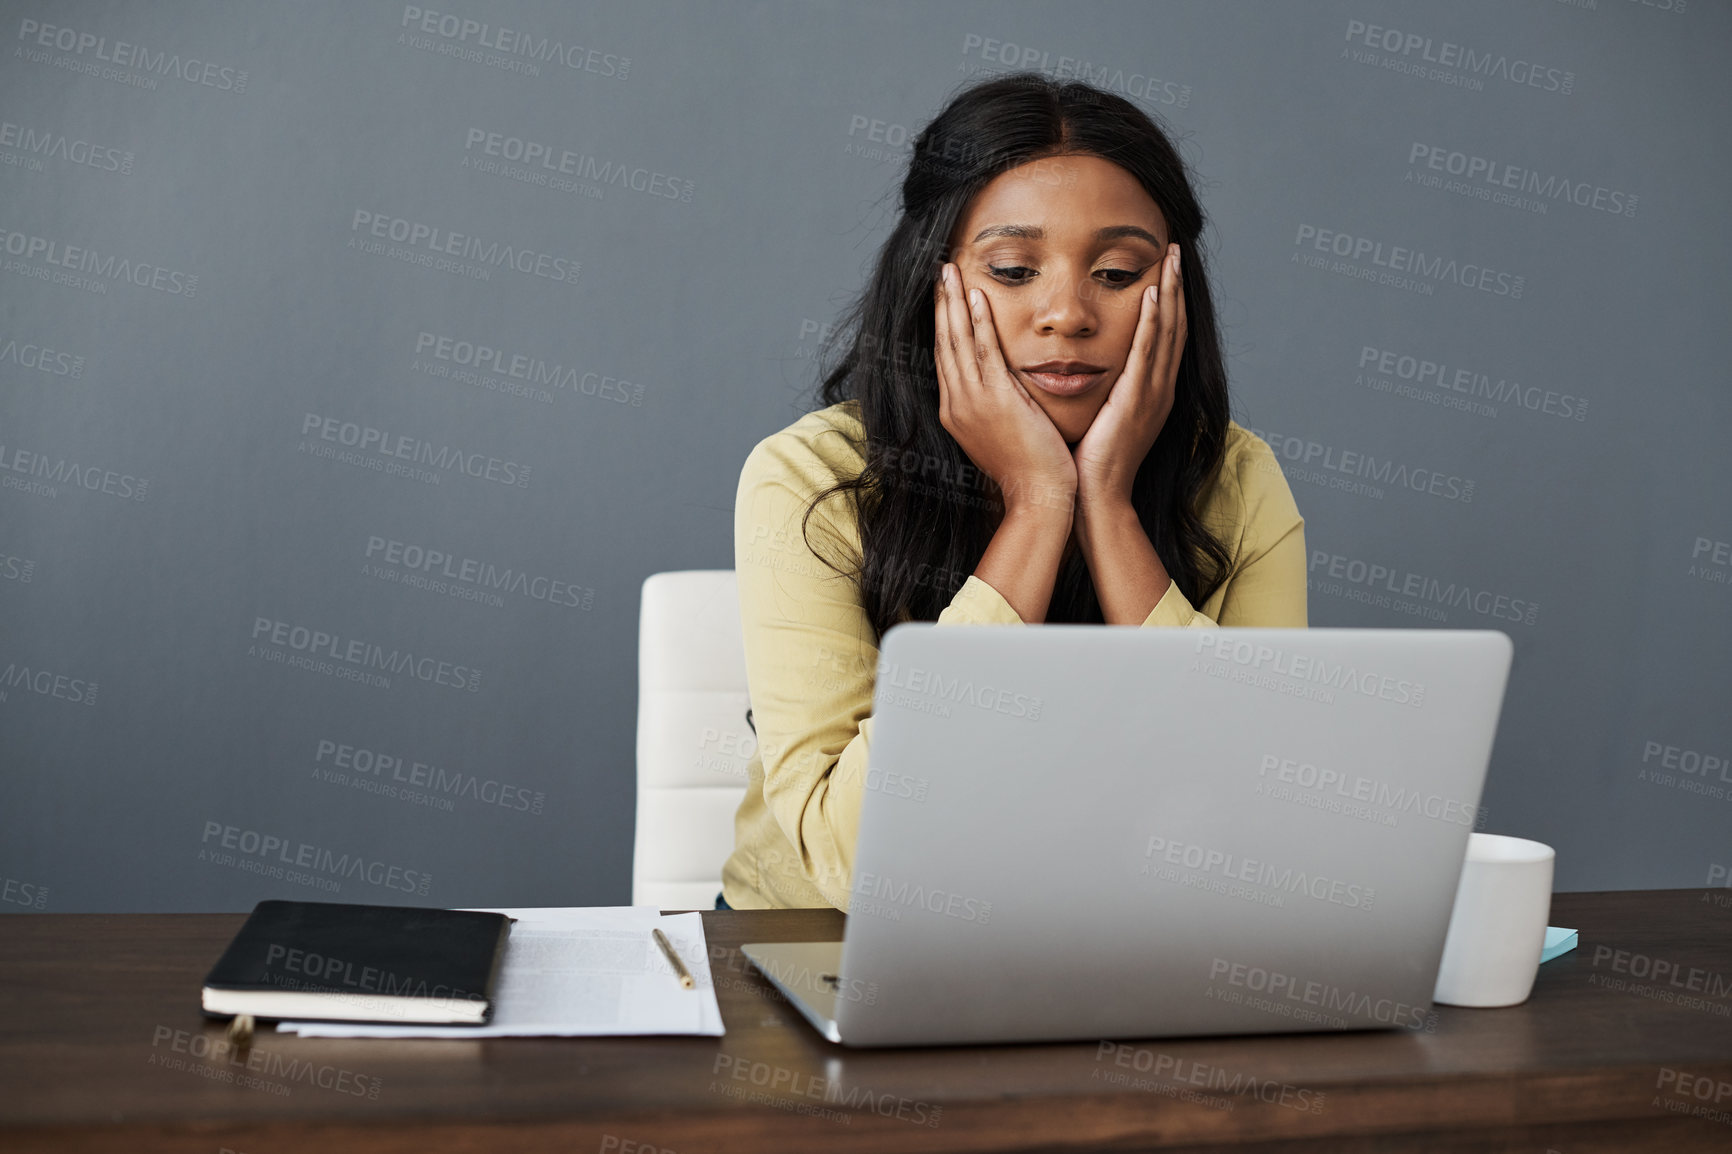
(1029, 424)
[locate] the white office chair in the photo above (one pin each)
(693, 739)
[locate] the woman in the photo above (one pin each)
(1029, 424)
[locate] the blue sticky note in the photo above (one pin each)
(1558, 941)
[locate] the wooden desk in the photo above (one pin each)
(99, 1025)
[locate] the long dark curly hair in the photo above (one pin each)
(926, 514)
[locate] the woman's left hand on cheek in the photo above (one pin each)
(1111, 452)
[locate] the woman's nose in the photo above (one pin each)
(1068, 307)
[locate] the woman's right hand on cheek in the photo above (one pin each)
(988, 411)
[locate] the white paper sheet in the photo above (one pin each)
(579, 971)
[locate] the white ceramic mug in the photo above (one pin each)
(1491, 954)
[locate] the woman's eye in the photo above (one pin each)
(1021, 274)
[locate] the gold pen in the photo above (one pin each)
(240, 1031)
(685, 975)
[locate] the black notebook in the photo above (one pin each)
(356, 963)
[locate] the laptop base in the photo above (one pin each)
(806, 974)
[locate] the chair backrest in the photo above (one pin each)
(693, 741)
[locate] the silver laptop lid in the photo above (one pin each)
(1086, 832)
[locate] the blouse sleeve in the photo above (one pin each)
(811, 657)
(1266, 587)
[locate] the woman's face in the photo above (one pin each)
(1062, 248)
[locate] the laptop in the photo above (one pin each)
(1078, 832)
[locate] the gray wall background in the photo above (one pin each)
(196, 315)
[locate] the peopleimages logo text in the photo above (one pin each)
(364, 654)
(482, 574)
(1448, 54)
(306, 856)
(327, 974)
(484, 358)
(46, 683)
(418, 235)
(1411, 261)
(1132, 83)
(514, 42)
(104, 266)
(1371, 470)
(401, 447)
(1500, 175)
(52, 145)
(28, 355)
(1235, 867)
(54, 470)
(1274, 984)
(1397, 799)
(905, 895)
(554, 161)
(1428, 590)
(359, 762)
(1305, 667)
(916, 679)
(1472, 383)
(127, 55)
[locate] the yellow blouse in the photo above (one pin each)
(811, 659)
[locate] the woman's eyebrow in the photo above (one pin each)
(1035, 232)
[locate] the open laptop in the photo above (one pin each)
(1076, 832)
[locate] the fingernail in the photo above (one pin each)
(974, 297)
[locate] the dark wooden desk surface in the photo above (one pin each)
(102, 1047)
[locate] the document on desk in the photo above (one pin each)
(580, 971)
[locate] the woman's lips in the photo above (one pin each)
(1065, 384)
